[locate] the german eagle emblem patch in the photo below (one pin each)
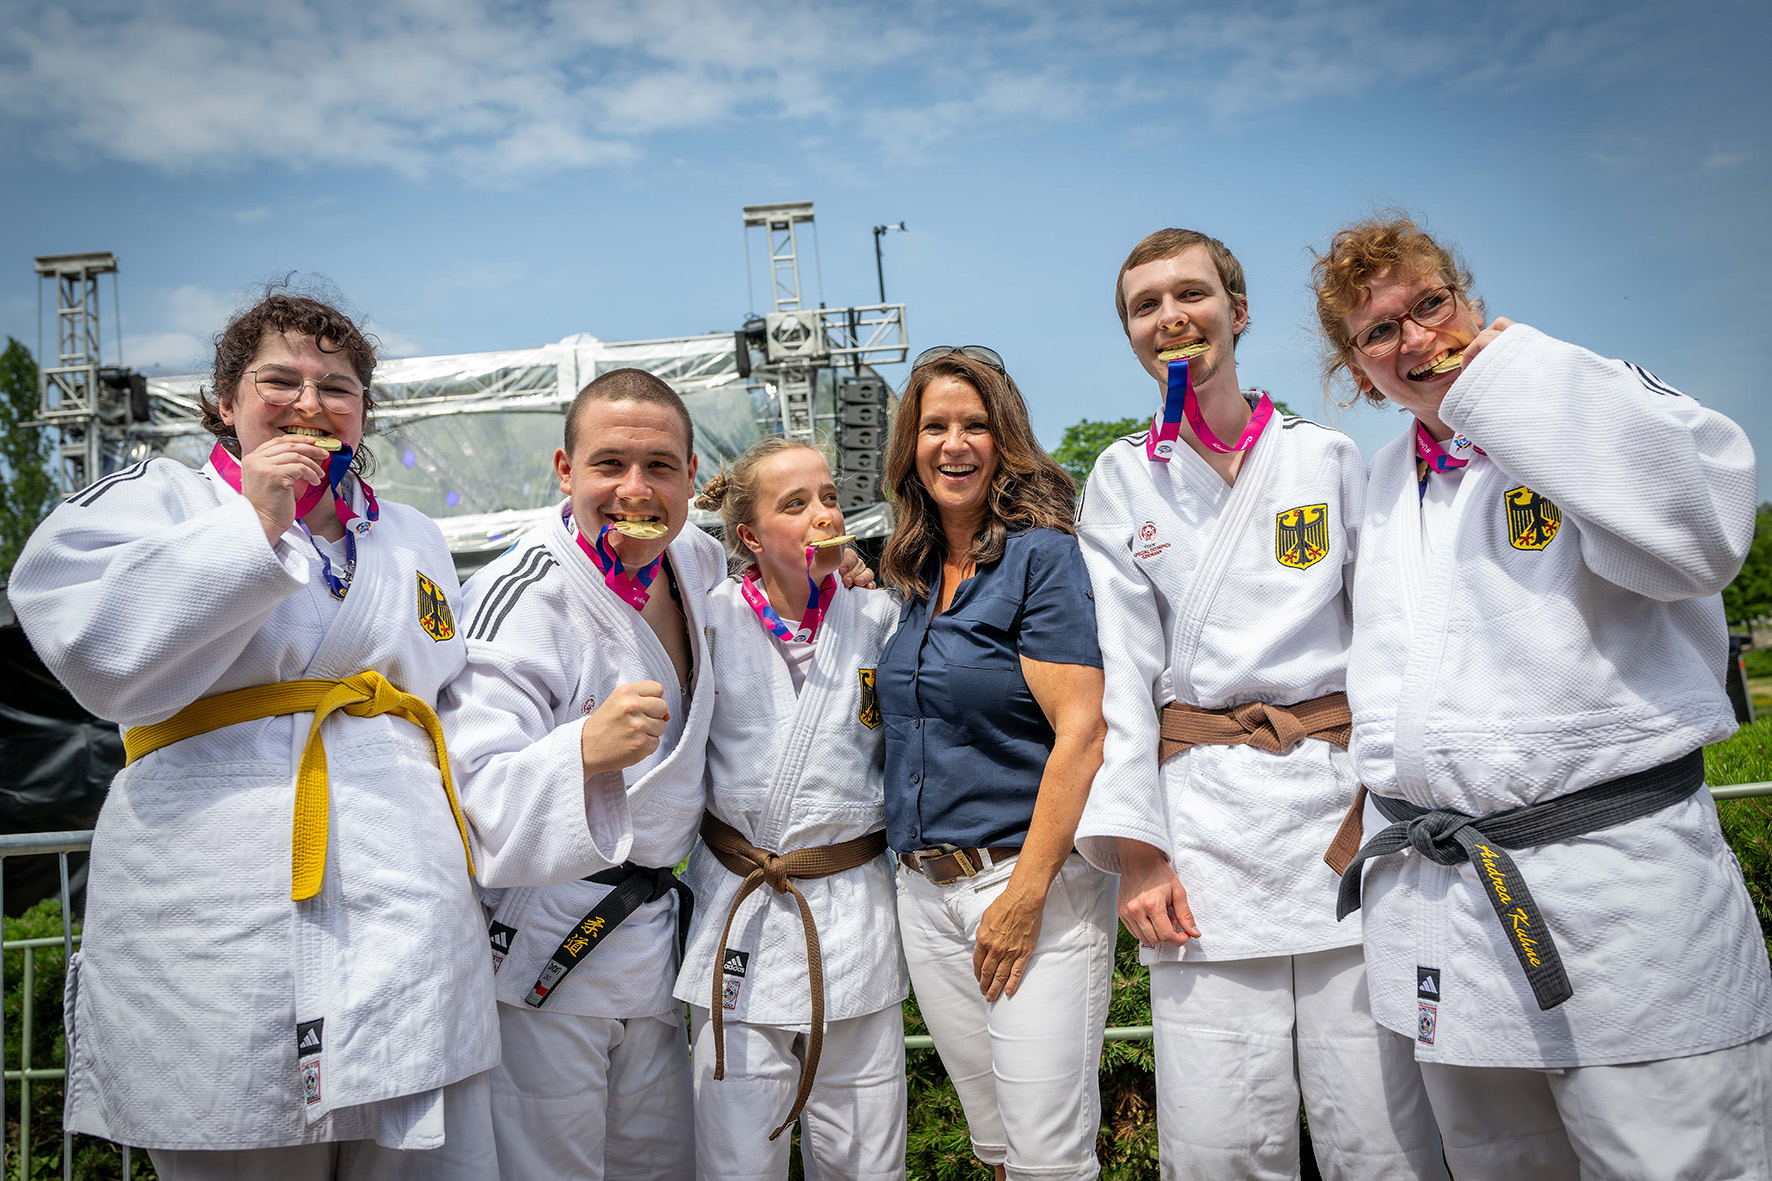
(433, 611)
(1532, 521)
(870, 704)
(1301, 535)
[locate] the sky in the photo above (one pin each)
(481, 174)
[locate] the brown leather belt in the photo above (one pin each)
(945, 866)
(757, 866)
(1273, 728)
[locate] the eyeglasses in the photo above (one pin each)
(1431, 310)
(279, 385)
(976, 352)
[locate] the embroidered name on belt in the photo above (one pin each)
(433, 611)
(1532, 521)
(1301, 535)
(870, 702)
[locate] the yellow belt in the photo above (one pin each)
(365, 695)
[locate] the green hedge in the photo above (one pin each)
(939, 1149)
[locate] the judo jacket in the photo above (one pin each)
(199, 975)
(547, 643)
(797, 771)
(1564, 629)
(1215, 595)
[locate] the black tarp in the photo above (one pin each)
(56, 762)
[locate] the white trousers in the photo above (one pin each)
(1707, 1116)
(589, 1098)
(1025, 1067)
(1237, 1043)
(466, 1154)
(853, 1125)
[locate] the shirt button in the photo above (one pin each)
(916, 778)
(917, 725)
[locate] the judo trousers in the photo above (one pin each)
(1026, 1066)
(466, 1154)
(589, 1098)
(1705, 1116)
(853, 1125)
(1238, 1041)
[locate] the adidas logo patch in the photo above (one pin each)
(1427, 984)
(307, 1037)
(734, 962)
(501, 937)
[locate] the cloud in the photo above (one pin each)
(247, 216)
(1725, 159)
(498, 91)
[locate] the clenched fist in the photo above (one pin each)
(625, 728)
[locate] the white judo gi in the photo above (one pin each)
(1215, 595)
(547, 642)
(150, 589)
(1555, 627)
(798, 770)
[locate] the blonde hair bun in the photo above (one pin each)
(713, 493)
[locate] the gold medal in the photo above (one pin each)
(830, 541)
(1449, 362)
(1194, 348)
(641, 530)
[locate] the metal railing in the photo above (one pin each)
(63, 843)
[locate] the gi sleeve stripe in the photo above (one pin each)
(86, 498)
(525, 566)
(510, 588)
(1652, 382)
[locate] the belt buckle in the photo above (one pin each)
(967, 869)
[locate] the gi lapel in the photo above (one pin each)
(806, 716)
(1429, 580)
(1233, 522)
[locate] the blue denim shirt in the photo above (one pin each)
(966, 743)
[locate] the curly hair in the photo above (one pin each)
(733, 494)
(1342, 276)
(1028, 491)
(283, 313)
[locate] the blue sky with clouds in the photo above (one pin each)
(480, 174)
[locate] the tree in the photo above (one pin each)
(1749, 597)
(1084, 441)
(27, 488)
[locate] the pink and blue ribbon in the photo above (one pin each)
(1181, 402)
(818, 601)
(634, 589)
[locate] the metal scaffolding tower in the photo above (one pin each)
(798, 341)
(69, 392)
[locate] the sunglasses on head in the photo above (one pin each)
(976, 352)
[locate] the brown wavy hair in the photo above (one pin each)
(284, 313)
(733, 494)
(1028, 491)
(1341, 279)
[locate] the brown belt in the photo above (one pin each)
(757, 866)
(944, 867)
(1273, 728)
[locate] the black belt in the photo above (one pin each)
(635, 886)
(1446, 837)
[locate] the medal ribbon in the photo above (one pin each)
(634, 589)
(1181, 402)
(1437, 458)
(338, 466)
(1432, 456)
(818, 601)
